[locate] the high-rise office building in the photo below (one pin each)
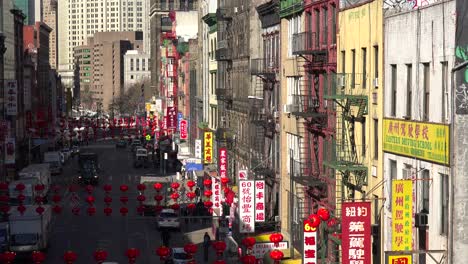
(79, 19)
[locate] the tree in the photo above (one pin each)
(86, 98)
(127, 103)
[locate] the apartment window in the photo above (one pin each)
(409, 90)
(343, 61)
(353, 69)
(363, 136)
(325, 26)
(444, 202)
(425, 190)
(317, 27)
(376, 139)
(364, 67)
(376, 61)
(393, 90)
(393, 176)
(427, 87)
(292, 88)
(294, 27)
(131, 64)
(333, 7)
(444, 89)
(137, 64)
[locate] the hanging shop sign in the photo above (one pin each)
(425, 141)
(11, 97)
(183, 126)
(242, 175)
(402, 215)
(10, 149)
(246, 206)
(208, 147)
(222, 162)
(260, 249)
(400, 259)
(198, 148)
(171, 117)
(260, 201)
(356, 232)
(310, 243)
(216, 197)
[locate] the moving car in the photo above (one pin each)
(121, 144)
(75, 150)
(168, 219)
(89, 168)
(135, 145)
(178, 256)
(141, 158)
(54, 159)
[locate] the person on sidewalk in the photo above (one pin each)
(206, 245)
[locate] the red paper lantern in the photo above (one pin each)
(332, 222)
(73, 188)
(39, 199)
(208, 193)
(219, 261)
(55, 188)
(21, 208)
(90, 199)
(226, 190)
(175, 196)
(191, 206)
(190, 249)
(163, 252)
(224, 180)
(100, 255)
(140, 209)
(76, 210)
(3, 186)
(207, 183)
(123, 188)
(132, 254)
(70, 257)
(208, 204)
(141, 187)
(39, 187)
(20, 187)
(276, 238)
(157, 186)
(38, 257)
(175, 185)
(56, 198)
(158, 208)
(248, 259)
(314, 220)
(141, 198)
(8, 256)
(276, 255)
(124, 199)
(107, 211)
(107, 200)
(107, 188)
(123, 211)
(4, 198)
(191, 184)
(323, 213)
(191, 195)
(89, 188)
(57, 209)
(175, 207)
(219, 246)
(158, 197)
(21, 197)
(5, 209)
(40, 210)
(91, 211)
(249, 242)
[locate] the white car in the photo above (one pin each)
(168, 219)
(178, 256)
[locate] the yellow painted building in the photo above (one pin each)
(210, 20)
(359, 102)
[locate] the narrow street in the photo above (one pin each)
(84, 234)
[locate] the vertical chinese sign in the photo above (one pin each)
(260, 201)
(198, 148)
(216, 197)
(222, 162)
(10, 148)
(356, 232)
(171, 117)
(183, 129)
(246, 204)
(208, 147)
(402, 215)
(310, 243)
(11, 97)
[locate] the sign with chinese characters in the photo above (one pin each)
(425, 141)
(260, 249)
(356, 232)
(402, 215)
(11, 97)
(260, 201)
(407, 259)
(216, 197)
(223, 162)
(183, 129)
(246, 206)
(208, 147)
(10, 155)
(243, 175)
(198, 149)
(310, 243)
(171, 117)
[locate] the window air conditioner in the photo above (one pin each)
(341, 81)
(376, 82)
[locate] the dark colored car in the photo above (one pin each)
(121, 144)
(89, 174)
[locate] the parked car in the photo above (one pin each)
(121, 144)
(135, 145)
(75, 150)
(67, 153)
(178, 256)
(168, 219)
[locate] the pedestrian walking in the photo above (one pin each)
(206, 245)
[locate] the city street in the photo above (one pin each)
(84, 234)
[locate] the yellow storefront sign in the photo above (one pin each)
(402, 259)
(208, 147)
(425, 141)
(402, 215)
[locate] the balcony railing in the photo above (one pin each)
(176, 5)
(264, 66)
(290, 7)
(306, 43)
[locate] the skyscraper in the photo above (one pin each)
(79, 19)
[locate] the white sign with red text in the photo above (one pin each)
(198, 148)
(183, 129)
(223, 162)
(260, 249)
(246, 206)
(216, 197)
(260, 201)
(310, 243)
(11, 97)
(242, 175)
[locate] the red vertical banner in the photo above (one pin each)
(356, 232)
(171, 117)
(183, 129)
